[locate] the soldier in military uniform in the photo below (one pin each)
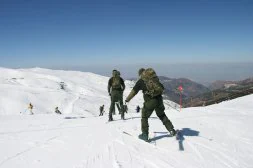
(152, 93)
(101, 109)
(116, 86)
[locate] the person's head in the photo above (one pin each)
(140, 71)
(114, 72)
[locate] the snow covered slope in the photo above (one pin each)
(214, 136)
(83, 92)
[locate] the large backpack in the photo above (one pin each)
(154, 87)
(116, 84)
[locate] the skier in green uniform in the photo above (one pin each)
(152, 93)
(101, 109)
(116, 86)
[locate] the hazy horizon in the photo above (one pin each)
(204, 73)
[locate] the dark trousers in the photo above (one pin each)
(147, 110)
(116, 96)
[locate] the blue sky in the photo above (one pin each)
(59, 33)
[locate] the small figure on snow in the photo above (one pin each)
(138, 109)
(101, 109)
(30, 108)
(57, 110)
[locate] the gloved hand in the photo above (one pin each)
(126, 101)
(110, 94)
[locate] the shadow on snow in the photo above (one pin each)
(180, 137)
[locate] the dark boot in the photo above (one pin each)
(144, 137)
(122, 116)
(110, 118)
(167, 123)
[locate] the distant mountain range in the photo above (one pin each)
(195, 94)
(221, 91)
(225, 84)
(190, 88)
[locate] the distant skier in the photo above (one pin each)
(57, 110)
(138, 109)
(152, 93)
(116, 86)
(101, 109)
(30, 108)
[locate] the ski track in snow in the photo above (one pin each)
(27, 150)
(220, 156)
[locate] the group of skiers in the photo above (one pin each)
(152, 90)
(30, 109)
(125, 109)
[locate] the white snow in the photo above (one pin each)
(216, 136)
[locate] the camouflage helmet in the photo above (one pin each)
(114, 72)
(140, 71)
(148, 74)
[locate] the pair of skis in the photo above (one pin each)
(178, 136)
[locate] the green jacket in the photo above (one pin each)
(122, 83)
(140, 85)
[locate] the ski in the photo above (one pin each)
(178, 135)
(150, 140)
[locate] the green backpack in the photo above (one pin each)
(154, 87)
(116, 80)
